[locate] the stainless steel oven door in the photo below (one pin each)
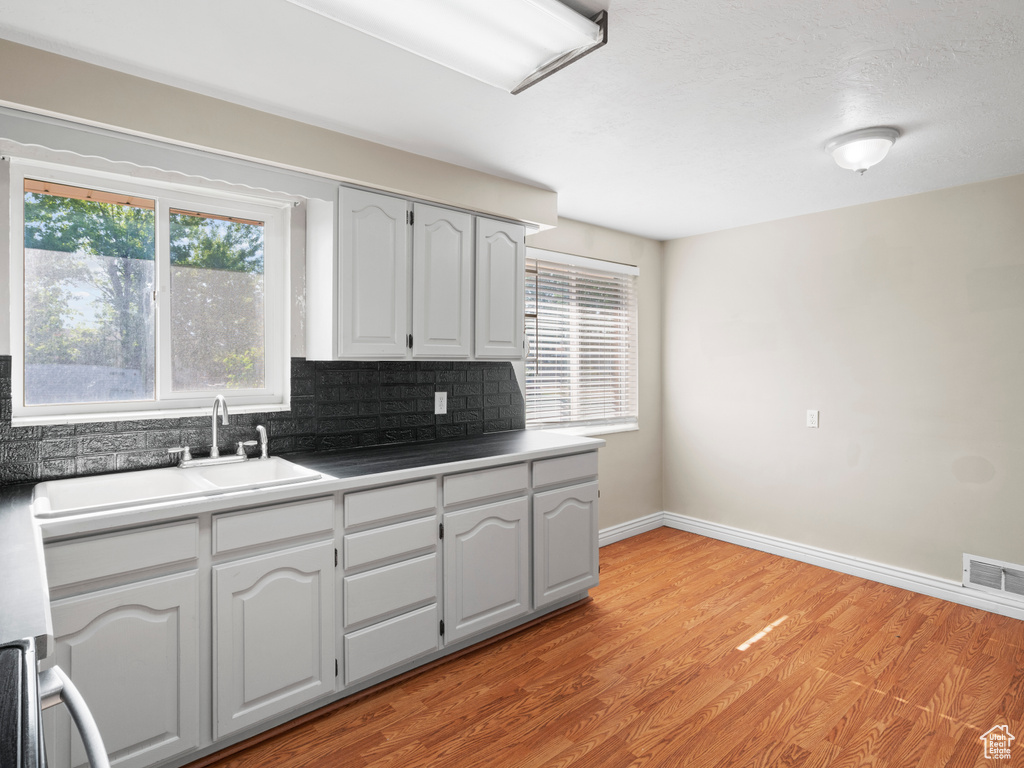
(55, 688)
(24, 693)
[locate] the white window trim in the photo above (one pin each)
(276, 216)
(586, 262)
(589, 428)
(592, 430)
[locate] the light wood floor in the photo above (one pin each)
(651, 673)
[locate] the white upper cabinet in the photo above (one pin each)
(372, 281)
(500, 287)
(442, 290)
(374, 275)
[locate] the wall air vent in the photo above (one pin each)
(994, 576)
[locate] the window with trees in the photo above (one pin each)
(581, 331)
(143, 298)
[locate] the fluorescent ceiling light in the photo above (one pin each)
(862, 149)
(510, 44)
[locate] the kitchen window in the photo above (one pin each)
(581, 331)
(139, 299)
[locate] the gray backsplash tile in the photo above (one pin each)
(343, 405)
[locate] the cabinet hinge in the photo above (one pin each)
(442, 627)
(440, 531)
(335, 667)
(335, 557)
(409, 341)
(410, 218)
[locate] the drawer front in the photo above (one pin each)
(487, 483)
(565, 469)
(389, 503)
(98, 557)
(380, 544)
(390, 589)
(391, 642)
(272, 525)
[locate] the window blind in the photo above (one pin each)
(581, 328)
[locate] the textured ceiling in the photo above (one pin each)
(697, 115)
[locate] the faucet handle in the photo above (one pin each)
(242, 445)
(185, 454)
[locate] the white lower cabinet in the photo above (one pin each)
(189, 635)
(487, 567)
(565, 543)
(132, 651)
(392, 578)
(273, 643)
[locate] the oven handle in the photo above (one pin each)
(56, 687)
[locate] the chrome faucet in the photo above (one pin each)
(219, 403)
(263, 441)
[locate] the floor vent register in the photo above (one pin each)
(995, 576)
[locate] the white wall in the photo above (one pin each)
(56, 85)
(903, 322)
(630, 464)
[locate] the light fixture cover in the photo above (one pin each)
(501, 42)
(859, 150)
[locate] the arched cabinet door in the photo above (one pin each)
(273, 645)
(565, 554)
(442, 290)
(487, 567)
(500, 289)
(374, 275)
(132, 652)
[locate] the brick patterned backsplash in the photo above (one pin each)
(335, 405)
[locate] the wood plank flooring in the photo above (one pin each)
(836, 671)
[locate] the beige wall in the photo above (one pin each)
(630, 464)
(55, 85)
(903, 323)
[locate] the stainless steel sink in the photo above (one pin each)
(80, 495)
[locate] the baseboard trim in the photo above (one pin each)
(913, 581)
(622, 531)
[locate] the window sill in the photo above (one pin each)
(591, 430)
(140, 415)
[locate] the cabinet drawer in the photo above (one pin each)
(272, 525)
(388, 503)
(97, 557)
(389, 589)
(393, 541)
(565, 469)
(391, 642)
(487, 483)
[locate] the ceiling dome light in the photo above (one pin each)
(859, 150)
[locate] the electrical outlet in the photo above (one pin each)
(440, 403)
(812, 419)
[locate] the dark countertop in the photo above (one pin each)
(517, 446)
(24, 593)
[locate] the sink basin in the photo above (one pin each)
(79, 495)
(255, 474)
